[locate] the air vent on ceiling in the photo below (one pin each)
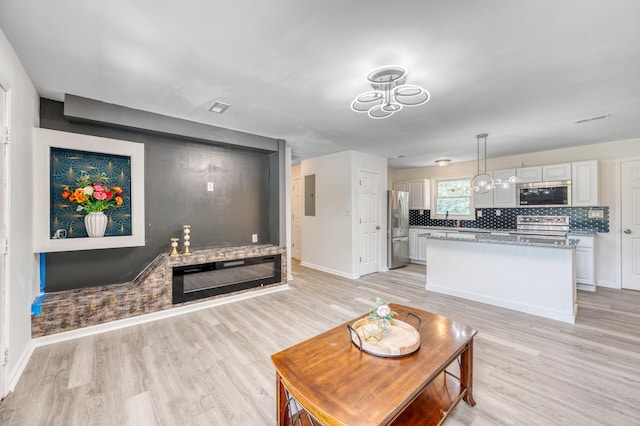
(219, 107)
(586, 120)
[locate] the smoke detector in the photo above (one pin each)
(219, 107)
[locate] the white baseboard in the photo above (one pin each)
(141, 319)
(509, 304)
(609, 284)
(23, 360)
(330, 271)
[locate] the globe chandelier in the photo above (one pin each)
(483, 182)
(390, 93)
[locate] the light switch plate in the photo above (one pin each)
(209, 186)
(596, 214)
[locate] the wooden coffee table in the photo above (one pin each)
(337, 384)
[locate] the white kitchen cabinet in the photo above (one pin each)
(422, 248)
(504, 197)
(585, 263)
(555, 172)
(584, 183)
(420, 194)
(400, 186)
(483, 201)
(413, 243)
(529, 174)
(417, 246)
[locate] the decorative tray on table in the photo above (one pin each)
(401, 338)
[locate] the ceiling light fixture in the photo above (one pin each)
(219, 107)
(389, 93)
(483, 182)
(443, 163)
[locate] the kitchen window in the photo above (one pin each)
(452, 196)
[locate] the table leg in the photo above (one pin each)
(466, 373)
(281, 401)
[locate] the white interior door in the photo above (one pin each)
(369, 211)
(630, 221)
(296, 219)
(4, 203)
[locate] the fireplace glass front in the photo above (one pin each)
(210, 279)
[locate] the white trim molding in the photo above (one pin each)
(44, 140)
(330, 271)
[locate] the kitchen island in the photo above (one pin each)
(523, 273)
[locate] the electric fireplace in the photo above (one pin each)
(194, 282)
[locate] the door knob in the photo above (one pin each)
(627, 231)
(378, 227)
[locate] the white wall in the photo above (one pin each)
(23, 264)
(608, 154)
(329, 239)
(296, 172)
(327, 235)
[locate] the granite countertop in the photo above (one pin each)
(588, 232)
(222, 253)
(583, 233)
(456, 229)
(484, 237)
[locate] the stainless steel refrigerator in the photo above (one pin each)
(397, 229)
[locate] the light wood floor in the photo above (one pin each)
(213, 367)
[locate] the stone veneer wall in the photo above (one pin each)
(149, 292)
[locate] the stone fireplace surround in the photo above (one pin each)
(149, 292)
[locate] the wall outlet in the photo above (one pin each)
(479, 213)
(498, 212)
(209, 186)
(254, 238)
(595, 214)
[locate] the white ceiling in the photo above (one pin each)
(523, 72)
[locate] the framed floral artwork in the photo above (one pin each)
(83, 182)
(75, 175)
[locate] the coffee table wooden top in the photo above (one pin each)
(339, 384)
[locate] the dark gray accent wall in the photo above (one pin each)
(177, 170)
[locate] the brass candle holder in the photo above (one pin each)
(187, 237)
(174, 247)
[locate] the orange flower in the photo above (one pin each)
(66, 194)
(118, 201)
(117, 190)
(79, 196)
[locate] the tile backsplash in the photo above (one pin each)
(578, 218)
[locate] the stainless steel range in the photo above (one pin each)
(551, 226)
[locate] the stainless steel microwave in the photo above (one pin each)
(544, 194)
